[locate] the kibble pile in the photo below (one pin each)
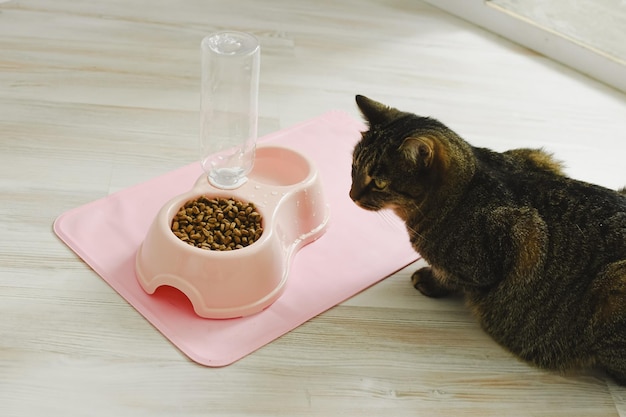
(217, 223)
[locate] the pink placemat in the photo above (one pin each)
(359, 249)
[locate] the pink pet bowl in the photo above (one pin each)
(286, 190)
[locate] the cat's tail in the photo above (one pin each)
(538, 159)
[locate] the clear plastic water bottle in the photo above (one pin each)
(229, 107)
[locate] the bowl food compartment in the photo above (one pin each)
(286, 190)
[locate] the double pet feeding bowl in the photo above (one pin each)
(280, 186)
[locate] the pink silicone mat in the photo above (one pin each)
(359, 249)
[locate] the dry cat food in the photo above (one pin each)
(217, 223)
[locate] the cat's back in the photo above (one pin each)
(580, 236)
(532, 177)
(578, 214)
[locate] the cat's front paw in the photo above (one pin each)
(424, 281)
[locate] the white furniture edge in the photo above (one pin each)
(583, 58)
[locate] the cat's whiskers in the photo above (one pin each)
(416, 233)
(390, 218)
(416, 209)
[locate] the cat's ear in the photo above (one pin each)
(419, 150)
(374, 112)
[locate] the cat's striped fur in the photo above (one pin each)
(539, 257)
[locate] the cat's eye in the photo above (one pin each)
(380, 184)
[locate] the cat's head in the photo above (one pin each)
(400, 160)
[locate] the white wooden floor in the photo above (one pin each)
(98, 96)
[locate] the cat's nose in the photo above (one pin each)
(354, 194)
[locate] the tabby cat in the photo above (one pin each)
(539, 257)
